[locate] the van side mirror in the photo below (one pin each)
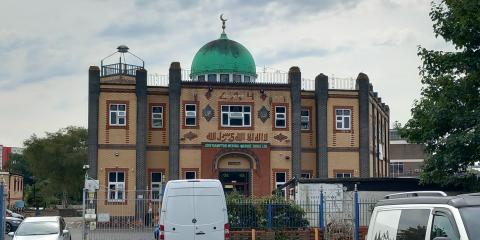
(65, 231)
(11, 234)
(441, 238)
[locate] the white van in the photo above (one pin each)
(194, 209)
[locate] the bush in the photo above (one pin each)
(248, 213)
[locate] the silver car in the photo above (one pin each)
(11, 224)
(42, 228)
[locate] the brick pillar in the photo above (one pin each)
(363, 102)
(141, 143)
(141, 146)
(93, 96)
(294, 79)
(321, 100)
(174, 78)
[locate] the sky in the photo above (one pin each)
(46, 47)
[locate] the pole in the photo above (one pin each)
(84, 229)
(2, 211)
(357, 214)
(321, 214)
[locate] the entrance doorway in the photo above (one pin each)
(235, 181)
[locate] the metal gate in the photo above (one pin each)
(339, 216)
(121, 215)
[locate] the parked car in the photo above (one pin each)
(12, 214)
(193, 209)
(11, 224)
(42, 228)
(426, 216)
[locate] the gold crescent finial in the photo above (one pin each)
(223, 22)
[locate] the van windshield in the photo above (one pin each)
(471, 221)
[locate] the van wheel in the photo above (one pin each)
(8, 227)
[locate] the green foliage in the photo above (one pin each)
(248, 213)
(447, 117)
(18, 164)
(56, 162)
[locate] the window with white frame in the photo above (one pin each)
(190, 115)
(280, 179)
(156, 185)
(190, 175)
(343, 119)
(236, 116)
(118, 114)
(280, 117)
(305, 175)
(396, 168)
(157, 117)
(343, 174)
(116, 186)
(305, 119)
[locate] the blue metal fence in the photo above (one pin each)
(334, 216)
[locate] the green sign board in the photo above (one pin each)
(236, 145)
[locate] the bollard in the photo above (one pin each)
(253, 234)
(316, 234)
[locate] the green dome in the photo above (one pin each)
(223, 56)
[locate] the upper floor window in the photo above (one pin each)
(343, 119)
(212, 77)
(201, 78)
(116, 186)
(236, 116)
(305, 119)
(246, 79)
(118, 114)
(157, 117)
(280, 117)
(190, 115)
(225, 78)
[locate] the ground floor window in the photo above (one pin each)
(343, 174)
(190, 175)
(156, 185)
(280, 179)
(306, 175)
(116, 186)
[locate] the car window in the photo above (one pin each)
(413, 224)
(386, 225)
(471, 221)
(37, 228)
(442, 227)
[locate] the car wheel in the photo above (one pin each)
(8, 227)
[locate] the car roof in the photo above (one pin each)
(42, 219)
(460, 201)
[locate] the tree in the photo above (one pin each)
(446, 118)
(18, 164)
(56, 161)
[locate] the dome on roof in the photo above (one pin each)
(223, 56)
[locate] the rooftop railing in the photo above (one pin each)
(159, 80)
(119, 69)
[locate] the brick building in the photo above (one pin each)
(222, 119)
(406, 159)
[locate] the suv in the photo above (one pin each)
(426, 216)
